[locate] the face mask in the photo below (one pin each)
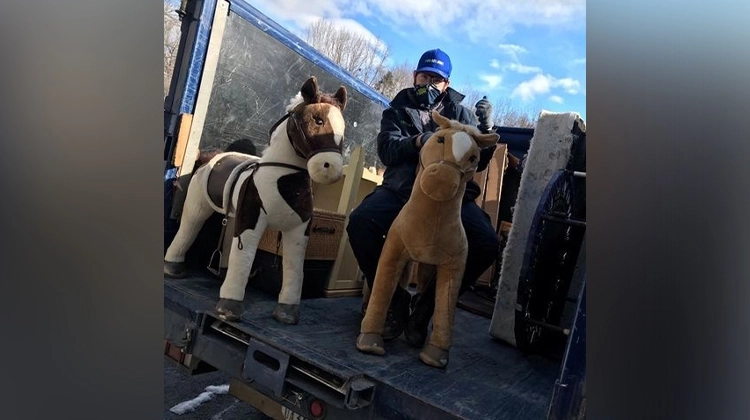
(426, 94)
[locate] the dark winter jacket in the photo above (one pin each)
(401, 125)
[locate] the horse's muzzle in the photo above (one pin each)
(440, 182)
(326, 167)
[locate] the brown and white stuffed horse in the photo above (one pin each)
(272, 191)
(428, 230)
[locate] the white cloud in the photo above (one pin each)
(483, 22)
(570, 86)
(542, 84)
(406, 17)
(527, 90)
(298, 14)
(359, 7)
(355, 27)
(512, 50)
(520, 68)
(492, 80)
(556, 99)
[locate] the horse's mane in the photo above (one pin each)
(328, 99)
(296, 100)
(321, 98)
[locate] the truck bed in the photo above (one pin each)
(485, 378)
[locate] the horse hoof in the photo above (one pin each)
(286, 313)
(434, 356)
(229, 309)
(175, 270)
(371, 343)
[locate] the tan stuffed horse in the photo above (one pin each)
(428, 230)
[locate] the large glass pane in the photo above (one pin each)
(256, 77)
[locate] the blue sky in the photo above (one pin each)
(530, 53)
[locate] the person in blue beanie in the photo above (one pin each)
(404, 127)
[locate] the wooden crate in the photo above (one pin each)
(491, 182)
(325, 236)
(344, 196)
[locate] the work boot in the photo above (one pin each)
(397, 315)
(423, 306)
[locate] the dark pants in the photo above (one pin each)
(370, 221)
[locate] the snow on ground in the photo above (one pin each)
(190, 405)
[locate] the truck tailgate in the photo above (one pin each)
(485, 378)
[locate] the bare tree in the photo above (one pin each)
(394, 79)
(471, 97)
(171, 40)
(509, 114)
(362, 57)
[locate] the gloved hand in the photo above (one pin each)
(484, 114)
(421, 139)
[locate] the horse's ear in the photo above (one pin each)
(341, 96)
(309, 90)
(441, 120)
(486, 140)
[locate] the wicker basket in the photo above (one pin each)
(325, 236)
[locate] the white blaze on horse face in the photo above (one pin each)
(337, 123)
(462, 143)
(326, 167)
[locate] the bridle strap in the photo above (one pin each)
(296, 124)
(290, 115)
(276, 124)
(449, 163)
(293, 118)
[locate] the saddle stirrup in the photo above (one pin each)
(217, 271)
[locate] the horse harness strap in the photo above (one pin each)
(222, 176)
(225, 220)
(282, 165)
(252, 166)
